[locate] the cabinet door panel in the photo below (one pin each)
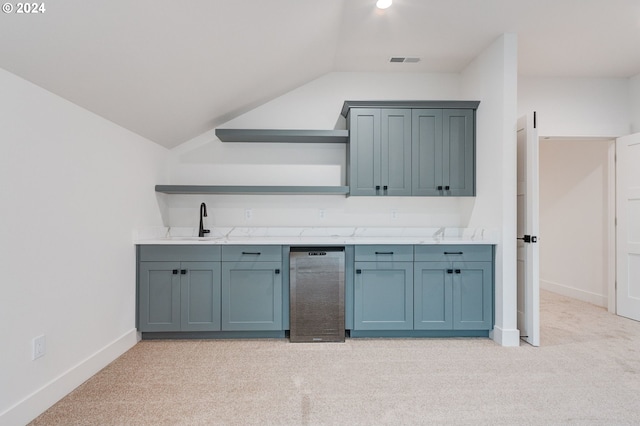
(472, 296)
(458, 157)
(383, 296)
(433, 296)
(426, 145)
(159, 299)
(200, 288)
(396, 152)
(364, 151)
(251, 296)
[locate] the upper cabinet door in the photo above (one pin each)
(427, 152)
(364, 151)
(458, 154)
(396, 152)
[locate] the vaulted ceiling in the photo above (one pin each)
(170, 70)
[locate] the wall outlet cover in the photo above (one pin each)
(39, 346)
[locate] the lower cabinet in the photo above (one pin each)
(383, 296)
(251, 296)
(251, 288)
(179, 296)
(453, 296)
(383, 293)
(422, 289)
(210, 289)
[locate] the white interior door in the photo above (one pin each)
(528, 220)
(628, 228)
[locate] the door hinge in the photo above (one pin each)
(529, 238)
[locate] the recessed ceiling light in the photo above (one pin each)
(383, 4)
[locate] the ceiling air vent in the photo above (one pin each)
(401, 59)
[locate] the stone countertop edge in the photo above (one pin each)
(338, 236)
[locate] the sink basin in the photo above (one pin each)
(193, 238)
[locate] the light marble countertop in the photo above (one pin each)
(315, 236)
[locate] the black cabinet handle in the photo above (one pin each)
(453, 252)
(358, 271)
(385, 187)
(257, 253)
(446, 188)
(377, 187)
(457, 271)
(183, 272)
(439, 187)
(277, 271)
(175, 272)
(384, 252)
(449, 271)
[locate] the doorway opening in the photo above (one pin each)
(577, 218)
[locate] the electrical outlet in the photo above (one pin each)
(39, 346)
(248, 214)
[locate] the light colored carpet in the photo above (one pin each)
(587, 371)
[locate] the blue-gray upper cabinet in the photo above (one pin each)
(252, 288)
(178, 295)
(453, 288)
(383, 293)
(443, 152)
(379, 151)
(419, 148)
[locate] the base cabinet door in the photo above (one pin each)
(472, 296)
(433, 296)
(200, 296)
(159, 303)
(383, 296)
(251, 296)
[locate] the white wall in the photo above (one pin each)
(492, 77)
(574, 218)
(316, 105)
(577, 107)
(74, 187)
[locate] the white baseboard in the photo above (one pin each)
(575, 293)
(40, 400)
(505, 337)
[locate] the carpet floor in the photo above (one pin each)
(586, 372)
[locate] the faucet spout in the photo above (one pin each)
(203, 213)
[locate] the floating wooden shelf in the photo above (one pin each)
(283, 135)
(253, 189)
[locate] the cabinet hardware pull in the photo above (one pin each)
(449, 271)
(439, 187)
(358, 271)
(453, 252)
(377, 187)
(175, 272)
(384, 252)
(457, 271)
(257, 253)
(446, 188)
(385, 187)
(277, 271)
(183, 271)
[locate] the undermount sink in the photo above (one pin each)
(194, 238)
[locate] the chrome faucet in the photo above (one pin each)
(203, 213)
